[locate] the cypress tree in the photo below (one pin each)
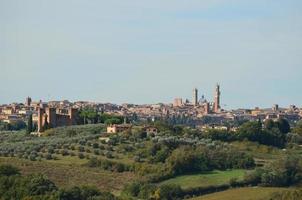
(29, 124)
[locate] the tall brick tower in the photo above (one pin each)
(28, 101)
(195, 97)
(216, 105)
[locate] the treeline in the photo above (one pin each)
(268, 133)
(280, 173)
(91, 116)
(38, 187)
(13, 126)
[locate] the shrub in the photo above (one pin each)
(81, 148)
(168, 192)
(64, 152)
(8, 170)
(96, 152)
(95, 145)
(48, 156)
(33, 157)
(109, 155)
(39, 185)
(81, 155)
(50, 150)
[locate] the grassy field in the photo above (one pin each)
(70, 172)
(206, 179)
(255, 193)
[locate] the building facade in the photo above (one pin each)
(51, 117)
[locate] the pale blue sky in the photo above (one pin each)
(141, 51)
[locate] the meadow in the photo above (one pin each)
(215, 177)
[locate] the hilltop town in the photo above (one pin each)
(199, 112)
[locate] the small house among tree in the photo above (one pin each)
(118, 128)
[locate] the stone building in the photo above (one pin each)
(52, 117)
(177, 102)
(118, 128)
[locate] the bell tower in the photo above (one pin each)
(195, 97)
(217, 99)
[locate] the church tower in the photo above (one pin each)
(195, 97)
(217, 99)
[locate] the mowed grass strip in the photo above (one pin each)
(69, 172)
(249, 193)
(206, 179)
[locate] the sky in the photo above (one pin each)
(139, 51)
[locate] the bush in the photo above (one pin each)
(109, 155)
(50, 150)
(96, 152)
(95, 145)
(81, 148)
(39, 185)
(81, 156)
(168, 192)
(8, 170)
(48, 156)
(33, 157)
(64, 152)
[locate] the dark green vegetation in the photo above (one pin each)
(30, 127)
(14, 126)
(91, 116)
(269, 133)
(179, 162)
(282, 172)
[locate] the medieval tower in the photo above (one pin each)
(216, 106)
(195, 97)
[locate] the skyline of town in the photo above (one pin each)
(196, 99)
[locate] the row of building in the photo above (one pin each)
(65, 113)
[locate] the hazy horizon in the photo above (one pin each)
(149, 52)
